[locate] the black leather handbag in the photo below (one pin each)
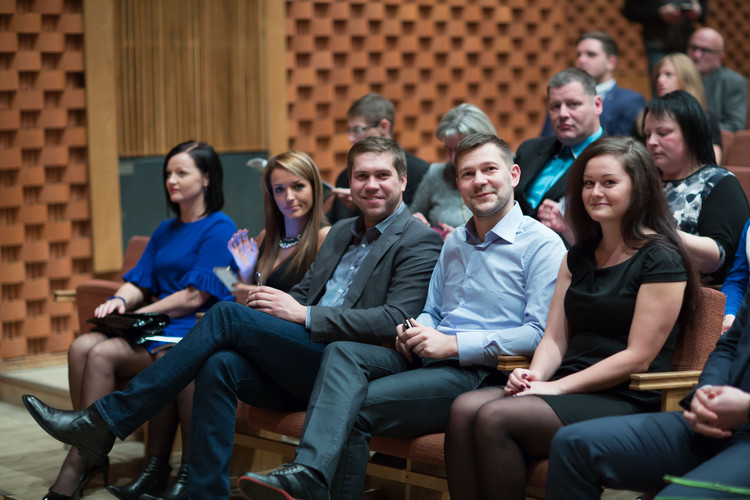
(131, 326)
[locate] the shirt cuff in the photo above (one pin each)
(307, 318)
(470, 348)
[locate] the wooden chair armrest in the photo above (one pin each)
(664, 380)
(64, 295)
(510, 363)
(673, 386)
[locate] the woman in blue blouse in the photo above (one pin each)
(736, 283)
(175, 277)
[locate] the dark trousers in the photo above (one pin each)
(365, 390)
(233, 352)
(634, 452)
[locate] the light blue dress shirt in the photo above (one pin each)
(494, 295)
(556, 168)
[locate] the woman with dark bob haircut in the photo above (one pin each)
(174, 276)
(705, 200)
(623, 292)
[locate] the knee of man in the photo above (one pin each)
(218, 367)
(221, 308)
(573, 440)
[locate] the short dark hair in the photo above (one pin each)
(373, 107)
(570, 75)
(647, 218)
(208, 162)
(687, 112)
(608, 43)
(473, 141)
(377, 144)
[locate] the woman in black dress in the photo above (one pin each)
(622, 293)
(295, 226)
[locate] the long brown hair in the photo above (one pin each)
(648, 209)
(304, 253)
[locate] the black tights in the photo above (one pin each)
(489, 439)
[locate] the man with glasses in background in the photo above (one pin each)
(372, 115)
(726, 90)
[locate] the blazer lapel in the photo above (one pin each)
(544, 153)
(379, 248)
(329, 257)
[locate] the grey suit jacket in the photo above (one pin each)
(726, 94)
(390, 285)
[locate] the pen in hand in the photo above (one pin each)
(258, 278)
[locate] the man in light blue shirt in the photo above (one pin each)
(488, 295)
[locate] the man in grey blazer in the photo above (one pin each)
(726, 90)
(370, 274)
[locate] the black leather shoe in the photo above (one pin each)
(84, 429)
(288, 482)
(178, 490)
(153, 478)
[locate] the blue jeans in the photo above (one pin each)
(365, 390)
(634, 452)
(232, 352)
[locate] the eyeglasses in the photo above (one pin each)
(359, 129)
(705, 50)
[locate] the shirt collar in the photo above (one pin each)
(505, 229)
(578, 148)
(358, 226)
(605, 87)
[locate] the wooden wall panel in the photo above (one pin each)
(427, 57)
(189, 69)
(45, 231)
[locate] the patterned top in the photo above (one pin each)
(685, 196)
(710, 202)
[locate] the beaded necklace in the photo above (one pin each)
(285, 243)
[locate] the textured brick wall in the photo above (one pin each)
(427, 57)
(44, 226)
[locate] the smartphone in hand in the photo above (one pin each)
(227, 276)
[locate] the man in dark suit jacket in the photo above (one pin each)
(574, 109)
(372, 115)
(370, 274)
(708, 443)
(597, 56)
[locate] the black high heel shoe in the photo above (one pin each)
(152, 480)
(178, 490)
(90, 472)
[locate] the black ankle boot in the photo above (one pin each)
(178, 490)
(84, 429)
(152, 480)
